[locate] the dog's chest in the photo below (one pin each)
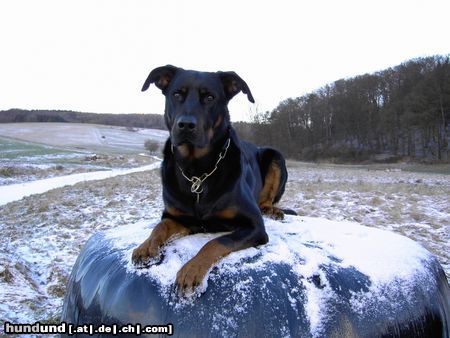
(202, 211)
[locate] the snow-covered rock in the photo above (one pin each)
(315, 278)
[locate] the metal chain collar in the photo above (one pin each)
(196, 187)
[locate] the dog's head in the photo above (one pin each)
(196, 112)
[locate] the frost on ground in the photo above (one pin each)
(416, 205)
(43, 234)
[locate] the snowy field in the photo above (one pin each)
(90, 137)
(42, 234)
(31, 151)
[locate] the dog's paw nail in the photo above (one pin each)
(139, 261)
(142, 262)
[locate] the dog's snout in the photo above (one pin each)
(187, 123)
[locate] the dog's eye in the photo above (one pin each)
(178, 96)
(209, 98)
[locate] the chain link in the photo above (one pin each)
(196, 187)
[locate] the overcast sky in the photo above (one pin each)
(94, 56)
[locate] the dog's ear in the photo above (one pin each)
(233, 84)
(161, 77)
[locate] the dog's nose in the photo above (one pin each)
(186, 123)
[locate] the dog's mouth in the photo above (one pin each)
(190, 147)
(189, 140)
(190, 150)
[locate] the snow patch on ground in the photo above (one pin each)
(14, 192)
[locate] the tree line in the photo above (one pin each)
(151, 121)
(399, 112)
(403, 111)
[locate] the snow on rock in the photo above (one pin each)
(388, 267)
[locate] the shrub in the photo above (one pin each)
(7, 172)
(151, 146)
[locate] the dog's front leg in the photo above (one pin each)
(149, 249)
(193, 272)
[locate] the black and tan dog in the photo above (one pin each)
(212, 181)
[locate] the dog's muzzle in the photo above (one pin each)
(186, 130)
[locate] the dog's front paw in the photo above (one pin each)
(146, 254)
(191, 276)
